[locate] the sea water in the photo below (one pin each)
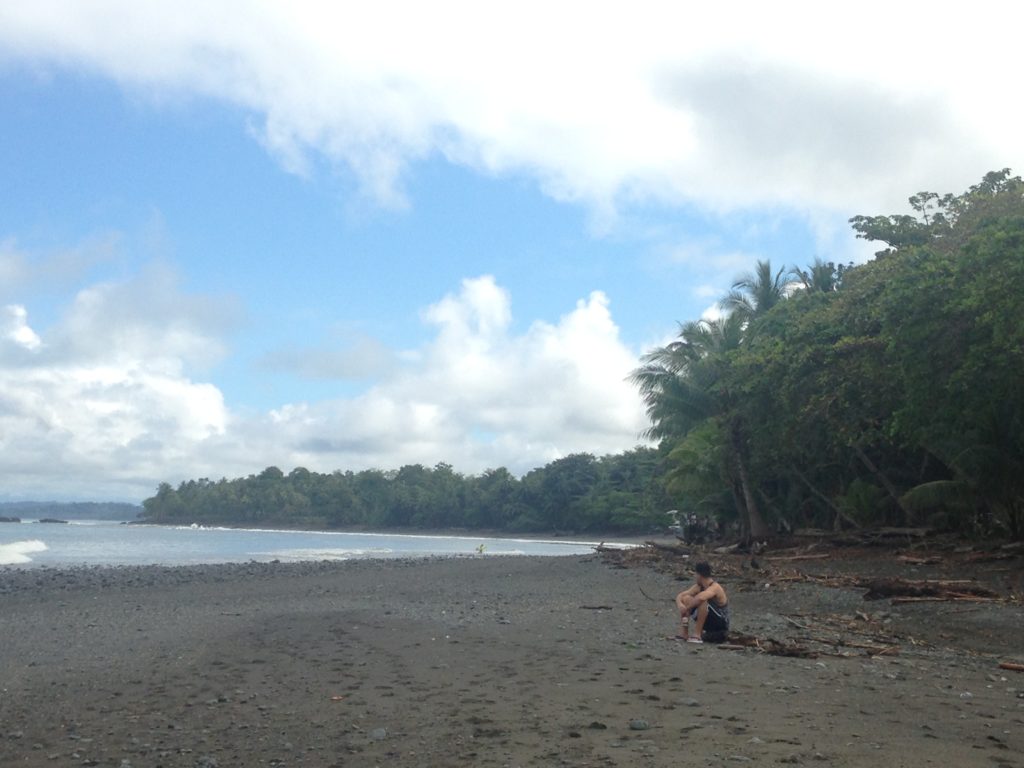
(80, 543)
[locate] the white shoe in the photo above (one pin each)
(695, 640)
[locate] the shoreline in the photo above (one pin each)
(561, 537)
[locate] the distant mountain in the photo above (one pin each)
(70, 510)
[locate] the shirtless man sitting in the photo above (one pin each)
(707, 604)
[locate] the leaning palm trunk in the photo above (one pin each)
(908, 517)
(755, 522)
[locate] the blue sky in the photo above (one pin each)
(227, 243)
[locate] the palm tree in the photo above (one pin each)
(679, 384)
(675, 380)
(821, 276)
(987, 475)
(754, 293)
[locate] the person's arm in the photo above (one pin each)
(707, 594)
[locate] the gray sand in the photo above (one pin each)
(483, 661)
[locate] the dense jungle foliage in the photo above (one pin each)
(832, 396)
(886, 393)
(573, 494)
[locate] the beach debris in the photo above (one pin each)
(337, 698)
(794, 558)
(671, 549)
(1012, 666)
(902, 590)
(915, 560)
(596, 607)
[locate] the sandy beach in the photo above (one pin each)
(478, 661)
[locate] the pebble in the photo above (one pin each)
(379, 734)
(639, 724)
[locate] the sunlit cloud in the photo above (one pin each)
(104, 399)
(724, 106)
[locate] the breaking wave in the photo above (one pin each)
(17, 552)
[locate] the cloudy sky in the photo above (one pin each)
(242, 234)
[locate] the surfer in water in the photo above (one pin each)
(707, 604)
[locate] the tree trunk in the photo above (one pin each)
(737, 500)
(840, 515)
(757, 526)
(886, 483)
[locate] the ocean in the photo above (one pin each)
(93, 543)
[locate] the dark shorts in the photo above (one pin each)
(718, 618)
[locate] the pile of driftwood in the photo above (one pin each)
(859, 635)
(784, 567)
(825, 635)
(928, 591)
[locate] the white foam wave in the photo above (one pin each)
(487, 540)
(327, 554)
(16, 553)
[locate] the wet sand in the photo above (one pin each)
(482, 661)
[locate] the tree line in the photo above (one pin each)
(575, 494)
(830, 396)
(886, 393)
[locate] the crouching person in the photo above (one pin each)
(707, 606)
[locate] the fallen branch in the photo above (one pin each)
(1012, 666)
(776, 648)
(903, 588)
(655, 599)
(792, 558)
(797, 624)
(673, 549)
(596, 607)
(880, 650)
(913, 560)
(951, 597)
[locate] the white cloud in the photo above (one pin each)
(479, 396)
(713, 312)
(102, 404)
(726, 105)
(15, 328)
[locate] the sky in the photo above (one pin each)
(235, 235)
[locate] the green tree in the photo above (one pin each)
(684, 386)
(755, 293)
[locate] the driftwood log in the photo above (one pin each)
(933, 589)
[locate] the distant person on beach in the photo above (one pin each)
(707, 604)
